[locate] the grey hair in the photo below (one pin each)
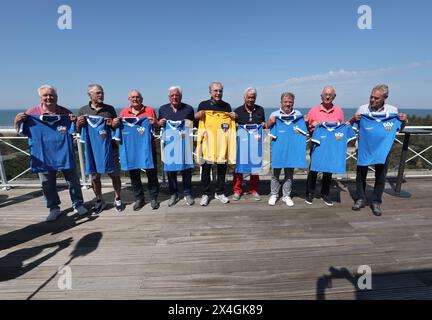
(329, 87)
(134, 90)
(287, 94)
(175, 88)
(383, 88)
(215, 83)
(250, 89)
(92, 86)
(46, 86)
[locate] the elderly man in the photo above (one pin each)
(324, 112)
(48, 106)
(97, 107)
(176, 110)
(215, 103)
(137, 109)
(378, 106)
(286, 109)
(248, 113)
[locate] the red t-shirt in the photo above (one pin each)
(321, 114)
(146, 111)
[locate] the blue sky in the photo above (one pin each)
(275, 46)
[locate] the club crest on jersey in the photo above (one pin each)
(339, 135)
(225, 127)
(141, 130)
(388, 125)
(61, 129)
(102, 133)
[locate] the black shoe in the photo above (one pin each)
(173, 200)
(360, 203)
(138, 204)
(327, 200)
(309, 199)
(154, 204)
(376, 209)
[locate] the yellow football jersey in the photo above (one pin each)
(216, 141)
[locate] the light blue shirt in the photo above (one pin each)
(386, 108)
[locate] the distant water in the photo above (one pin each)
(7, 116)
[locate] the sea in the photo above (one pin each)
(7, 116)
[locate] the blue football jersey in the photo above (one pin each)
(176, 145)
(376, 133)
(249, 152)
(329, 147)
(50, 142)
(97, 137)
(288, 145)
(135, 139)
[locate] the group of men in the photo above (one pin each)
(247, 114)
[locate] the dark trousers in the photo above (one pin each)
(220, 181)
(380, 176)
(153, 182)
(325, 183)
(187, 182)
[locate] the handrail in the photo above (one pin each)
(7, 183)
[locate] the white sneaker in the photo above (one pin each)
(289, 201)
(222, 198)
(204, 200)
(256, 196)
(283, 199)
(236, 196)
(272, 200)
(118, 205)
(81, 210)
(53, 214)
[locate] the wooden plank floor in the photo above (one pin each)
(242, 250)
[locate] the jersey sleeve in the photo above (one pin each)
(163, 136)
(24, 129)
(118, 133)
(398, 124)
(351, 134)
(232, 147)
(316, 135)
(273, 130)
(84, 134)
(72, 128)
(260, 131)
(301, 127)
(356, 126)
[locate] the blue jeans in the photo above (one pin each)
(49, 188)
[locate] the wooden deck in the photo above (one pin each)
(242, 250)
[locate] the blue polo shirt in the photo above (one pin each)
(184, 112)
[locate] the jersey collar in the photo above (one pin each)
(94, 121)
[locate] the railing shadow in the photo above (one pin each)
(18, 199)
(36, 230)
(13, 265)
(85, 246)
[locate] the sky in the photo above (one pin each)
(274, 46)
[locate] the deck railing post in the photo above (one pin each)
(81, 162)
(3, 174)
